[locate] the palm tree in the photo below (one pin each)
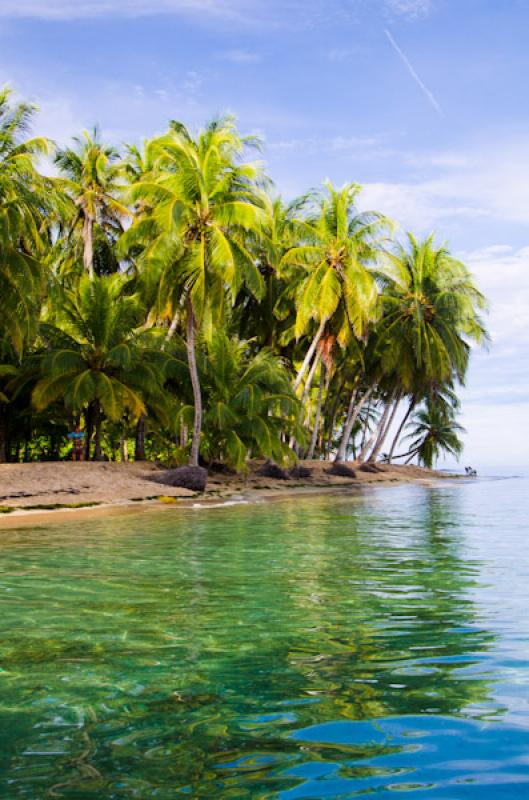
(330, 271)
(248, 401)
(99, 360)
(435, 431)
(267, 319)
(25, 198)
(203, 201)
(92, 178)
(431, 314)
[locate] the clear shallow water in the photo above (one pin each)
(331, 647)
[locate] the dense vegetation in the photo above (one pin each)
(169, 302)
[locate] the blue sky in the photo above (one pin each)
(424, 102)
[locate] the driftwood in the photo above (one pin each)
(193, 478)
(271, 470)
(341, 470)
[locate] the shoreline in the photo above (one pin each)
(113, 488)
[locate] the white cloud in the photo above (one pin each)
(482, 182)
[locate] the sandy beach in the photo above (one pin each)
(50, 488)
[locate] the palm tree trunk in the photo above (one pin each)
(183, 435)
(292, 443)
(310, 377)
(317, 417)
(88, 242)
(195, 382)
(366, 425)
(139, 448)
(383, 434)
(3, 434)
(352, 415)
(310, 353)
(410, 452)
(123, 448)
(400, 429)
(89, 428)
(331, 421)
(172, 328)
(98, 456)
(373, 442)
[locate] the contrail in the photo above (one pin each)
(409, 66)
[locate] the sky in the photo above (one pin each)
(423, 102)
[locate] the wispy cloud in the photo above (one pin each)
(409, 8)
(318, 145)
(239, 56)
(411, 69)
(79, 9)
(280, 12)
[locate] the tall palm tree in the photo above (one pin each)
(25, 199)
(331, 269)
(203, 201)
(431, 313)
(92, 177)
(99, 360)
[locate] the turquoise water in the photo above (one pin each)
(333, 647)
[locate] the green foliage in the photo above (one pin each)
(249, 403)
(435, 431)
(25, 198)
(97, 353)
(168, 301)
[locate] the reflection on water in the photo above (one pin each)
(312, 648)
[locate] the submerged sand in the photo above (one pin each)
(30, 489)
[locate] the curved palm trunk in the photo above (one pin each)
(195, 382)
(366, 425)
(292, 443)
(352, 415)
(399, 431)
(172, 328)
(310, 376)
(410, 452)
(374, 436)
(317, 417)
(373, 442)
(310, 353)
(331, 421)
(88, 242)
(384, 432)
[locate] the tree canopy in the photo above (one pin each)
(166, 293)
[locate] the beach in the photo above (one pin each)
(50, 488)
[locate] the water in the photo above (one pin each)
(332, 647)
